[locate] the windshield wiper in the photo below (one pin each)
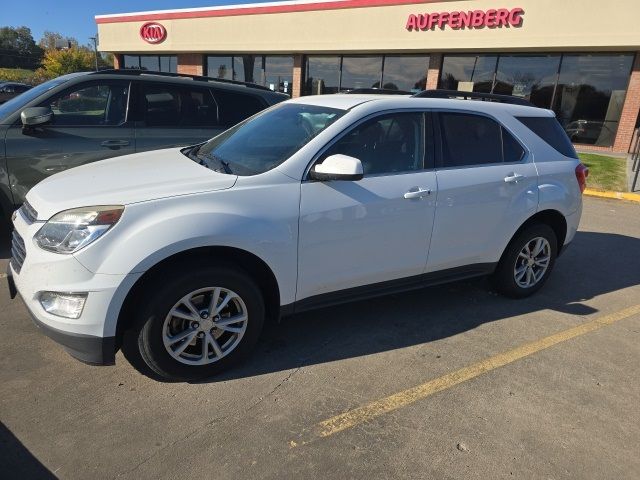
(225, 165)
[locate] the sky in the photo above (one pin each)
(75, 18)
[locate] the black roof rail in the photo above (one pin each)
(378, 91)
(486, 97)
(138, 72)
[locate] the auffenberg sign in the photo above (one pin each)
(493, 18)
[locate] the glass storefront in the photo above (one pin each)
(332, 74)
(275, 72)
(153, 63)
(587, 91)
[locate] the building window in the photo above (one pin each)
(590, 94)
(322, 75)
(405, 72)
(153, 63)
(586, 91)
(469, 73)
(332, 74)
(361, 72)
(272, 71)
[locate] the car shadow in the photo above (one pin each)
(594, 264)
(16, 461)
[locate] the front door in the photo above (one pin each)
(357, 233)
(89, 124)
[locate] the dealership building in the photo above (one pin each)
(576, 57)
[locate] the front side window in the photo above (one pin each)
(387, 144)
(102, 104)
(177, 106)
(266, 140)
(468, 139)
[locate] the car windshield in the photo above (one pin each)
(265, 141)
(21, 100)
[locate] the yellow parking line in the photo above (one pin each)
(398, 400)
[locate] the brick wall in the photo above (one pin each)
(190, 63)
(433, 72)
(630, 110)
(117, 61)
(298, 75)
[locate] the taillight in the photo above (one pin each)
(582, 172)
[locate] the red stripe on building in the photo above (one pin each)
(257, 10)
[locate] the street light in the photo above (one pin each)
(95, 49)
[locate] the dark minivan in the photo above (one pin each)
(85, 117)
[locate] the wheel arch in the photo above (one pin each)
(249, 262)
(553, 218)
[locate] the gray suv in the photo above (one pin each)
(85, 117)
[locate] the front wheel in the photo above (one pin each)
(197, 323)
(527, 262)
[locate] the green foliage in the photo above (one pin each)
(18, 49)
(61, 62)
(605, 173)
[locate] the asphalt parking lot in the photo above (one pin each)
(449, 382)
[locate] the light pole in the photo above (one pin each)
(95, 49)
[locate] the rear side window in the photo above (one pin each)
(235, 107)
(549, 130)
(177, 106)
(468, 139)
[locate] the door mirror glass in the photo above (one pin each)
(36, 116)
(338, 167)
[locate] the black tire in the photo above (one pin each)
(503, 278)
(162, 293)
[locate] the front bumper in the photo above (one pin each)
(90, 338)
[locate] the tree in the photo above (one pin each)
(53, 40)
(61, 62)
(18, 48)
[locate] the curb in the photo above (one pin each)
(632, 197)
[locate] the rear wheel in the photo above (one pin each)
(527, 262)
(199, 322)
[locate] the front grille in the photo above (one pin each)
(18, 252)
(28, 212)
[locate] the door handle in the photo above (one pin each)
(513, 178)
(114, 144)
(417, 193)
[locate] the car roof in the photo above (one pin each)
(387, 102)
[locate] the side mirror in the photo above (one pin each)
(338, 167)
(33, 116)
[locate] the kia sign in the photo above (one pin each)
(152, 32)
(493, 18)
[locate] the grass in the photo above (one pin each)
(605, 173)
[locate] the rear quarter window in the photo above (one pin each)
(549, 130)
(235, 107)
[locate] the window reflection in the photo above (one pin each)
(153, 63)
(532, 77)
(278, 73)
(323, 75)
(404, 72)
(361, 72)
(468, 73)
(272, 71)
(587, 91)
(590, 95)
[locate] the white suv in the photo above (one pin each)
(182, 254)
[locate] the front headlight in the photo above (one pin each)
(71, 230)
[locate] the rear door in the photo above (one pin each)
(171, 115)
(89, 123)
(487, 187)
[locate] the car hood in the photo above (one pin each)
(124, 180)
